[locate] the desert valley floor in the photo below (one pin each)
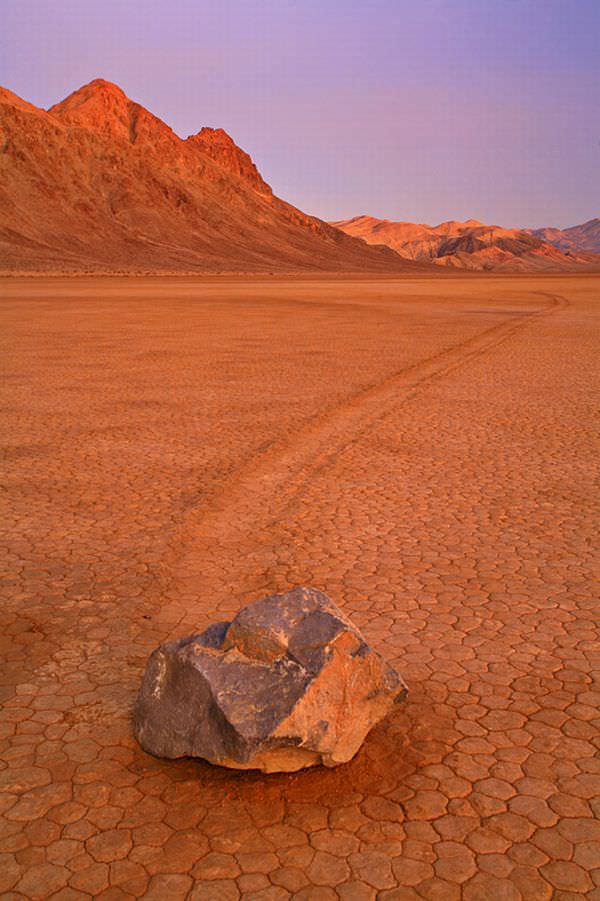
(422, 449)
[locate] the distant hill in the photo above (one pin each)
(97, 182)
(583, 238)
(471, 245)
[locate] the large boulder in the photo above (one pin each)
(289, 683)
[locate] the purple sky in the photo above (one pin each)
(424, 110)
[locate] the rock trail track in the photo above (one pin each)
(432, 473)
(259, 494)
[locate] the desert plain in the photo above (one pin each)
(422, 449)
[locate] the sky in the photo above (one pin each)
(423, 111)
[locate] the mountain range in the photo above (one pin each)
(473, 245)
(98, 183)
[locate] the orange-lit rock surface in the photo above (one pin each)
(98, 183)
(422, 449)
(473, 245)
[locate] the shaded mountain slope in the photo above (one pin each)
(99, 183)
(584, 238)
(467, 245)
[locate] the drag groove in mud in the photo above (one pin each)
(255, 499)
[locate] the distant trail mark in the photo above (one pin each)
(230, 525)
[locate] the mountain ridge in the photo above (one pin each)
(98, 183)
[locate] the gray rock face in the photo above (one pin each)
(289, 683)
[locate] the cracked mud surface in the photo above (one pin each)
(421, 450)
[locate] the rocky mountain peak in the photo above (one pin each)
(220, 147)
(103, 107)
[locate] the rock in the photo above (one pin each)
(289, 683)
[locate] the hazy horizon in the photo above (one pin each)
(423, 112)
